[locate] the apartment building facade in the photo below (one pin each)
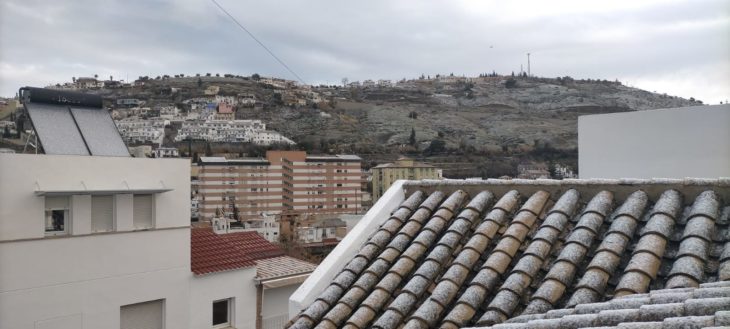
(284, 183)
(384, 175)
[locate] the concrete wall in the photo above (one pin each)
(276, 301)
(81, 279)
(668, 143)
(21, 175)
(346, 249)
(238, 284)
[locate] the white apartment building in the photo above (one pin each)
(166, 152)
(93, 242)
(93, 238)
(252, 131)
(135, 130)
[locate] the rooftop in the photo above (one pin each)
(466, 253)
(211, 252)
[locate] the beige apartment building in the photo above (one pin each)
(285, 183)
(386, 174)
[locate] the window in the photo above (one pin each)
(222, 313)
(143, 211)
(57, 215)
(102, 213)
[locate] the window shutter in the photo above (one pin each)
(102, 213)
(147, 315)
(57, 202)
(143, 211)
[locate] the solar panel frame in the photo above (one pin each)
(99, 131)
(56, 129)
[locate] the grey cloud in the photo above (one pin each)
(324, 41)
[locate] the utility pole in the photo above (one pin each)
(528, 65)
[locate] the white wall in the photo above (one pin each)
(276, 300)
(238, 284)
(92, 276)
(668, 143)
(22, 212)
(81, 280)
(346, 249)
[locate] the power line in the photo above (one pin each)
(258, 41)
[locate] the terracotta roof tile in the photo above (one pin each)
(211, 252)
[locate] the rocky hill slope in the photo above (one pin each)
(508, 117)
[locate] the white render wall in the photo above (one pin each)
(669, 143)
(238, 284)
(346, 249)
(82, 279)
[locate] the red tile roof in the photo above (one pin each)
(211, 252)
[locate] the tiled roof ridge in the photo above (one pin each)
(688, 181)
(427, 272)
(708, 305)
(563, 270)
(457, 273)
(689, 267)
(496, 264)
(647, 255)
(399, 220)
(407, 261)
(608, 255)
(561, 274)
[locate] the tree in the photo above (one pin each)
(73, 79)
(208, 150)
(510, 83)
(344, 82)
(412, 139)
(6, 133)
(96, 76)
(255, 77)
(200, 82)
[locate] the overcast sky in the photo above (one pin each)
(680, 48)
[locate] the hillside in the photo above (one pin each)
(496, 121)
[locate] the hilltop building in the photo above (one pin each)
(384, 175)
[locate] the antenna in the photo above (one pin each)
(528, 65)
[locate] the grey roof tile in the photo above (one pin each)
(659, 312)
(578, 321)
(700, 227)
(528, 264)
(478, 243)
(669, 203)
(624, 225)
(508, 202)
(591, 222)
(582, 236)
(592, 308)
(660, 224)
(706, 306)
(634, 205)
(445, 284)
(583, 295)
(344, 279)
(544, 324)
(689, 322)
(539, 248)
(722, 318)
(614, 317)
(614, 242)
(536, 202)
(711, 292)
(706, 204)
(389, 319)
(573, 253)
(601, 203)
(694, 246)
(567, 203)
(413, 201)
